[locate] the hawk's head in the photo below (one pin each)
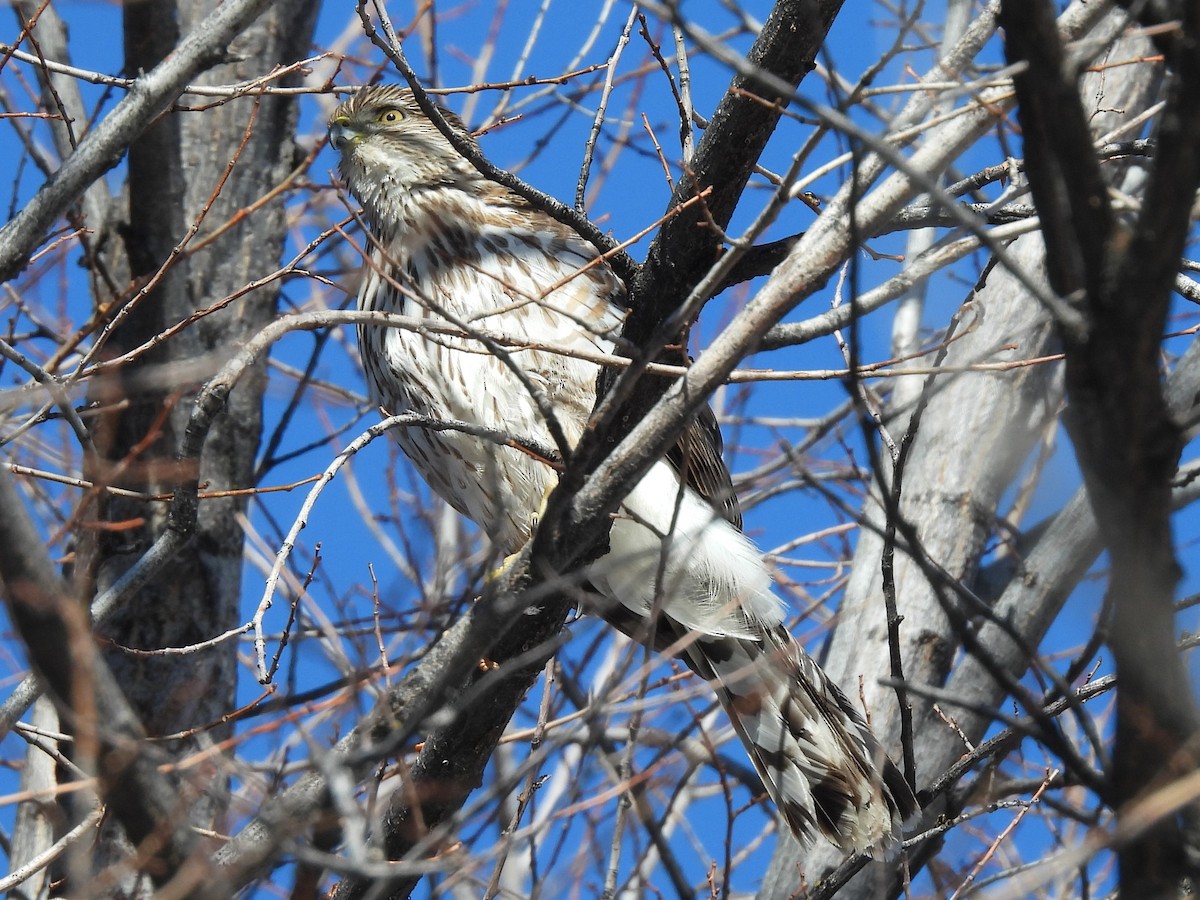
(387, 145)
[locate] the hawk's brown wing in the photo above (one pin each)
(697, 458)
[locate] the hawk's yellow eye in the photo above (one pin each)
(390, 116)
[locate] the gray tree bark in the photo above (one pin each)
(192, 180)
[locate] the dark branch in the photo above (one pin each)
(57, 635)
(1125, 440)
(1072, 198)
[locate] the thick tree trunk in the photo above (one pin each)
(193, 177)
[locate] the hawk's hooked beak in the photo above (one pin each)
(342, 134)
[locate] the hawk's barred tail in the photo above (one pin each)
(813, 750)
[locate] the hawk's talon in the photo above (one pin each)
(535, 519)
(501, 571)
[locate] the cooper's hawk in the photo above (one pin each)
(456, 249)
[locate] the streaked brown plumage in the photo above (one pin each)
(452, 246)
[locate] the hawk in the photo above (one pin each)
(459, 251)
